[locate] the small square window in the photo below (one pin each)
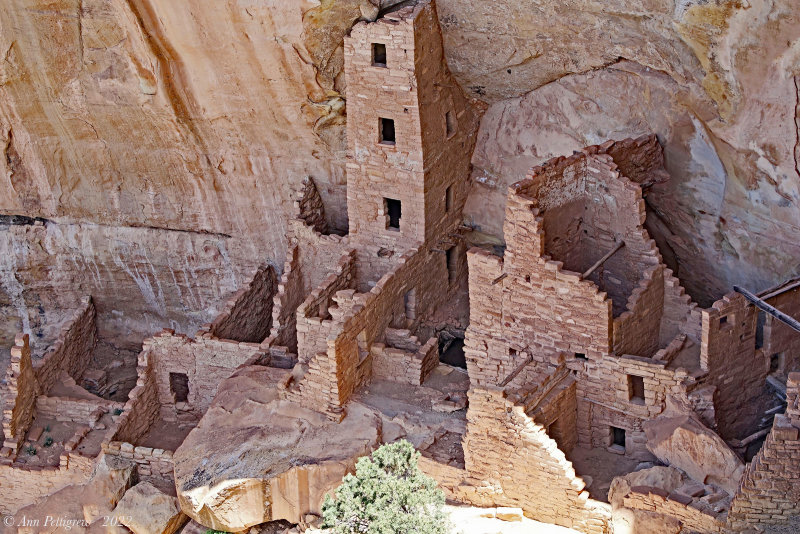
(636, 388)
(393, 210)
(378, 55)
(618, 437)
(386, 127)
(580, 356)
(450, 124)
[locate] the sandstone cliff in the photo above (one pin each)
(159, 140)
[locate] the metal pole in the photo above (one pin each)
(760, 304)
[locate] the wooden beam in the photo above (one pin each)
(780, 291)
(602, 260)
(499, 279)
(792, 323)
(516, 371)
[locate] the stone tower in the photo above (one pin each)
(410, 132)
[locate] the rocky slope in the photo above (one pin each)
(179, 128)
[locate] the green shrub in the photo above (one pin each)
(48, 441)
(31, 450)
(387, 495)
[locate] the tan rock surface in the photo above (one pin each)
(139, 118)
(255, 458)
(91, 503)
(679, 439)
(666, 478)
(145, 509)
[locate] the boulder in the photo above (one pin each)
(255, 458)
(678, 438)
(666, 478)
(145, 509)
(90, 503)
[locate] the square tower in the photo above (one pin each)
(410, 133)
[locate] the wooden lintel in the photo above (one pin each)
(602, 260)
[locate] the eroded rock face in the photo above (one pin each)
(195, 117)
(255, 458)
(90, 503)
(145, 509)
(685, 70)
(679, 439)
(663, 477)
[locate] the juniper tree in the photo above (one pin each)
(387, 495)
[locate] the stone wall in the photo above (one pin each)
(680, 313)
(398, 365)
(414, 89)
(674, 509)
(288, 296)
(769, 492)
(142, 408)
(537, 307)
(150, 463)
(205, 361)
(513, 462)
(636, 331)
(733, 364)
(21, 486)
(780, 341)
(341, 345)
(309, 206)
(247, 315)
(19, 394)
(314, 320)
(73, 410)
(72, 352)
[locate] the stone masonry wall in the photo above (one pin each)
(72, 351)
(19, 393)
(73, 410)
(538, 308)
(314, 322)
(779, 339)
(247, 316)
(398, 365)
(636, 331)
(693, 515)
(342, 360)
(151, 464)
(513, 462)
(734, 366)
(21, 486)
(205, 360)
(309, 207)
(141, 409)
(446, 155)
(288, 296)
(680, 314)
(605, 400)
(415, 90)
(769, 492)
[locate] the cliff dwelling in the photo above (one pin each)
(562, 370)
